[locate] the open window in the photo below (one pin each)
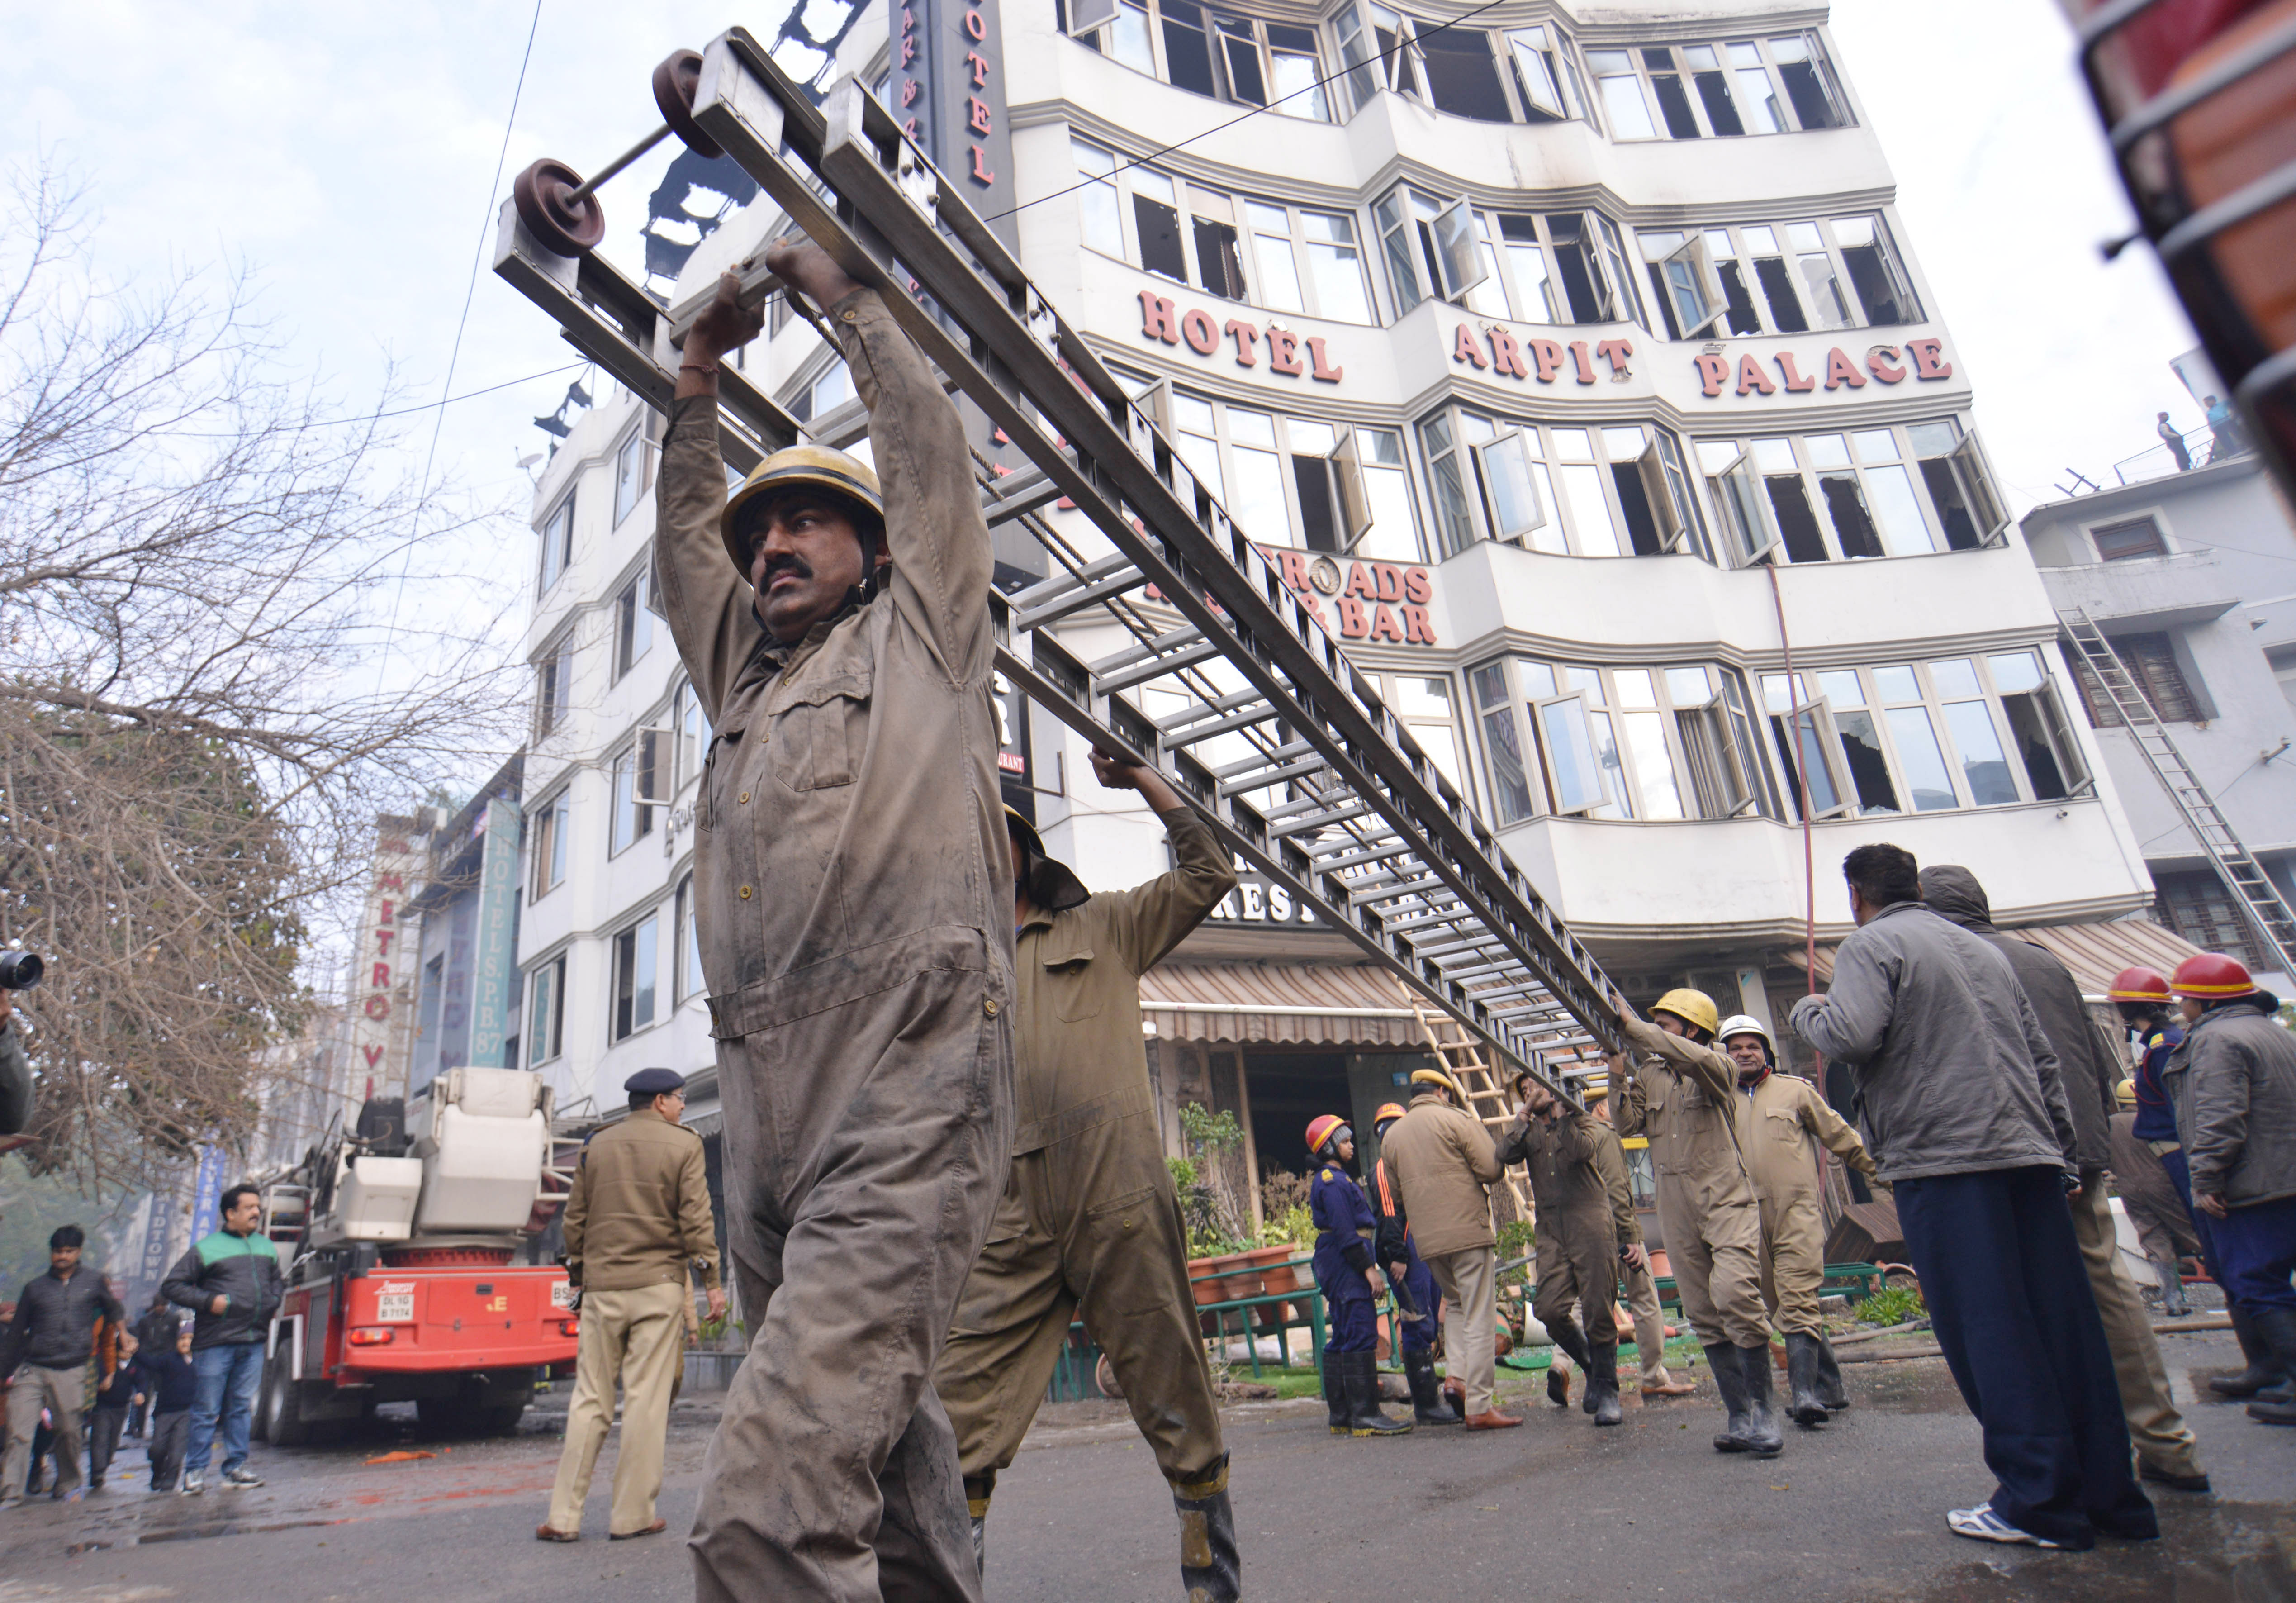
(1463, 76)
(1664, 518)
(1509, 489)
(1535, 75)
(1811, 748)
(1349, 489)
(2054, 768)
(1723, 780)
(656, 770)
(1690, 290)
(1745, 507)
(1574, 767)
(1449, 240)
(1511, 795)
(1089, 16)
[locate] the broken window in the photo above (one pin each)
(1219, 257)
(1885, 294)
(1462, 77)
(1157, 219)
(1717, 90)
(1682, 272)
(1581, 492)
(1378, 56)
(1830, 496)
(1187, 48)
(1536, 76)
(1827, 273)
(1809, 82)
(1580, 266)
(1238, 59)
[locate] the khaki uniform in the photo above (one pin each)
(1577, 1229)
(1782, 1122)
(638, 1215)
(1680, 1097)
(1090, 1224)
(855, 895)
(1634, 1278)
(1443, 1163)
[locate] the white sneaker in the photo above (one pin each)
(239, 1475)
(1981, 1523)
(194, 1482)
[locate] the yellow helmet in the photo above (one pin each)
(2125, 1093)
(847, 478)
(1387, 1110)
(1437, 1077)
(1690, 1007)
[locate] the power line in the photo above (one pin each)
(337, 423)
(1221, 127)
(470, 292)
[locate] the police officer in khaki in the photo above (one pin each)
(636, 1220)
(1680, 1092)
(1089, 1226)
(1781, 1123)
(854, 891)
(1577, 1240)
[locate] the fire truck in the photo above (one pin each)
(400, 1236)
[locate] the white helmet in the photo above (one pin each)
(1746, 1023)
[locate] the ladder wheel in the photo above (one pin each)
(569, 228)
(675, 82)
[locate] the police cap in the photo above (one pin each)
(654, 1082)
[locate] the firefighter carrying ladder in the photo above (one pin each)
(1261, 722)
(2244, 876)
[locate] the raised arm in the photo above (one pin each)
(1851, 1019)
(1151, 919)
(1834, 1134)
(933, 527)
(1679, 1055)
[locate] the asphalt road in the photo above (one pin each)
(1556, 1509)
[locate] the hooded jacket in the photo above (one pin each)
(2233, 1084)
(2086, 1071)
(1951, 1067)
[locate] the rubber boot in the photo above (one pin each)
(2264, 1372)
(1428, 1404)
(1731, 1382)
(1807, 1407)
(1572, 1343)
(2276, 1327)
(1829, 1390)
(1335, 1393)
(1603, 1384)
(1764, 1439)
(2172, 1289)
(1210, 1570)
(1360, 1372)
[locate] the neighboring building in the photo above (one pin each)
(2192, 577)
(1578, 365)
(468, 1005)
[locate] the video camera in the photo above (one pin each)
(20, 971)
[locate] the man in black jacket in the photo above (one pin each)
(2089, 1070)
(48, 1344)
(230, 1280)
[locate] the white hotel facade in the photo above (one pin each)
(1581, 356)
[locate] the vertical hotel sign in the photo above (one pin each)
(949, 95)
(496, 959)
(381, 995)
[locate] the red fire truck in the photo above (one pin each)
(400, 1236)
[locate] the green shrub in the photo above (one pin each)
(1893, 1306)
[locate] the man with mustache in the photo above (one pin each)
(854, 890)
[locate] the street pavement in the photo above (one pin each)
(1556, 1509)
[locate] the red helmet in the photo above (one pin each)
(2139, 985)
(2210, 977)
(1321, 1129)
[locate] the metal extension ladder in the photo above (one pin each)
(1262, 722)
(1461, 1057)
(2244, 876)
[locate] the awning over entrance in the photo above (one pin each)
(2094, 953)
(1306, 1004)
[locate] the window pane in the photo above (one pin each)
(1570, 751)
(1256, 497)
(1758, 103)
(1442, 749)
(1688, 687)
(1393, 535)
(1338, 272)
(1590, 511)
(1956, 680)
(1297, 92)
(1634, 687)
(629, 476)
(641, 989)
(1515, 510)
(1131, 39)
(1510, 786)
(1812, 765)
(1159, 227)
(2015, 671)
(1920, 759)
(1982, 764)
(1897, 684)
(624, 802)
(1869, 770)
(1537, 678)
(545, 1004)
(1279, 274)
(1841, 688)
(1653, 763)
(1099, 221)
(1454, 524)
(1622, 95)
(1417, 696)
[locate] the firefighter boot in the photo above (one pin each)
(1210, 1571)
(977, 1489)
(1428, 1405)
(1360, 1372)
(1572, 1343)
(1807, 1408)
(2275, 1326)
(2263, 1373)
(1603, 1384)
(1763, 1438)
(1728, 1380)
(1830, 1389)
(1335, 1393)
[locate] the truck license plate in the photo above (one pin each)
(395, 1307)
(561, 1294)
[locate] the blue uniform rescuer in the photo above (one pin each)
(1347, 1275)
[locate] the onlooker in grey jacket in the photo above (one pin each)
(1954, 1082)
(2232, 1083)
(2089, 1073)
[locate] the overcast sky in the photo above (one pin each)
(346, 155)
